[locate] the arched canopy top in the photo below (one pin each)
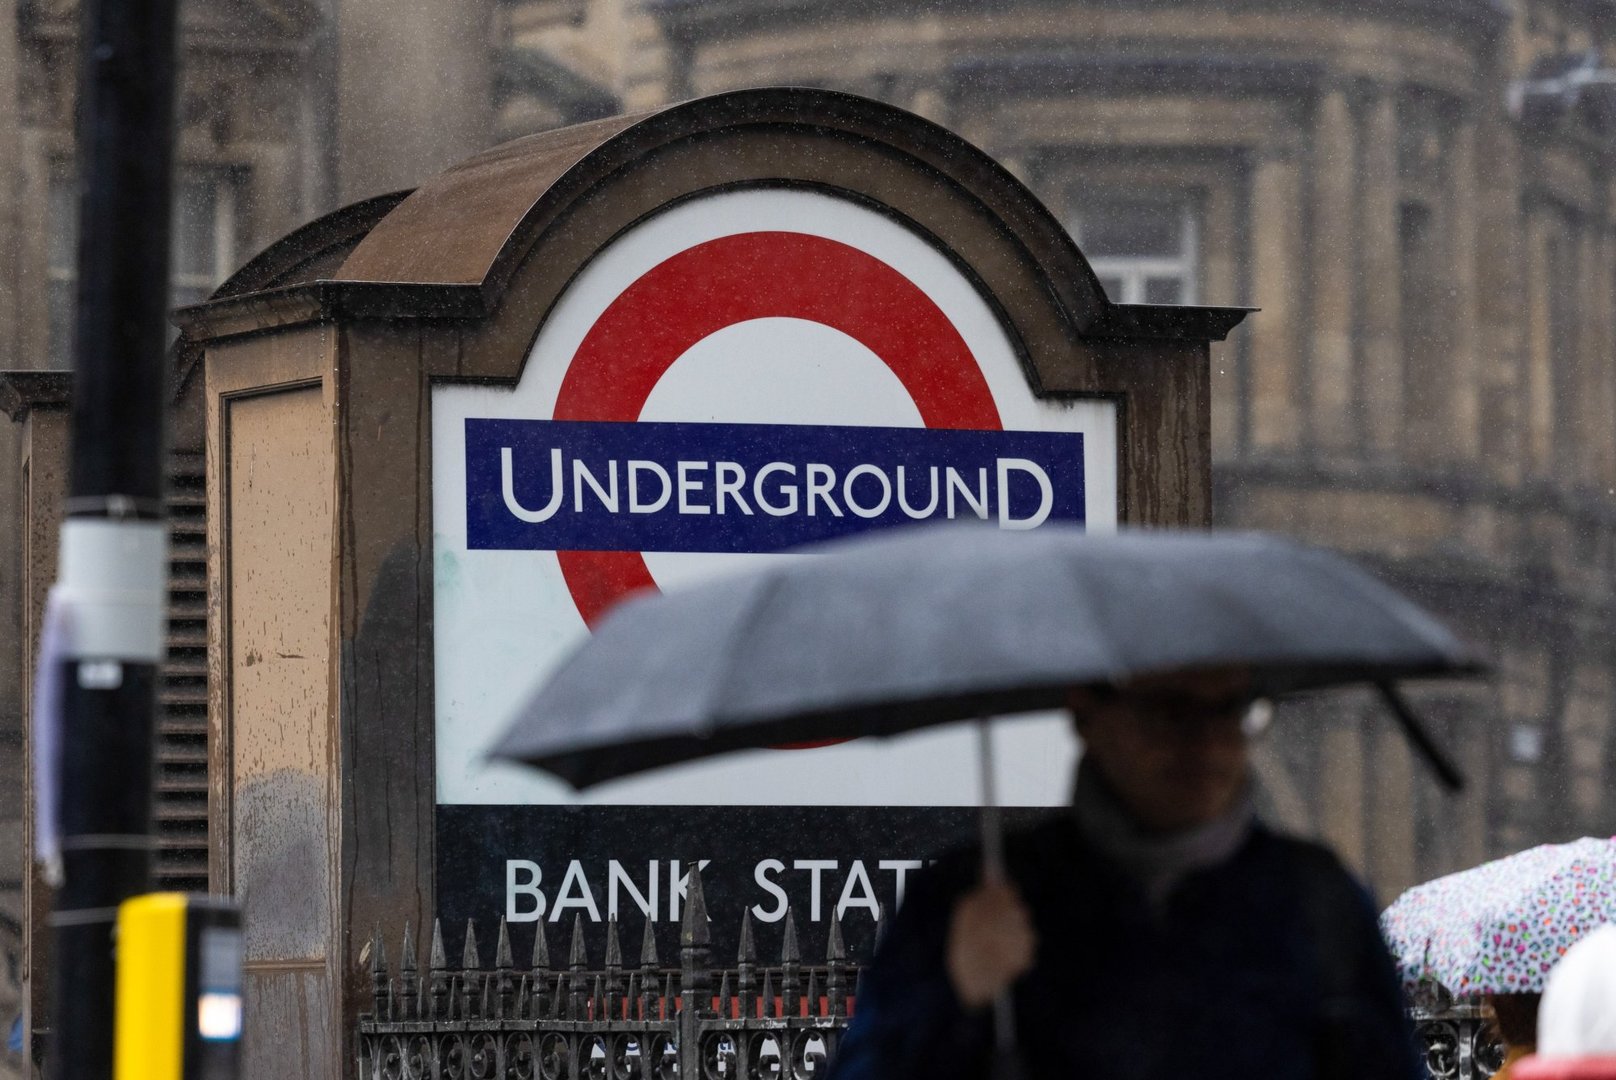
(452, 247)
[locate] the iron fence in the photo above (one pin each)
(1456, 1037)
(648, 1021)
(749, 1021)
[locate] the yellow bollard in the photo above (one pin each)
(179, 988)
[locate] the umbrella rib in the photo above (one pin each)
(1117, 670)
(763, 594)
(732, 665)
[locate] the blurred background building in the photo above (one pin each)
(1420, 194)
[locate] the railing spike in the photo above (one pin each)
(438, 981)
(695, 978)
(502, 949)
(406, 960)
(577, 957)
(437, 960)
(745, 977)
(650, 996)
(648, 953)
(540, 973)
(503, 992)
(835, 950)
(380, 986)
(789, 953)
(409, 984)
(613, 994)
(693, 929)
(836, 971)
(614, 949)
(555, 999)
(747, 953)
(530, 1006)
(614, 972)
(541, 948)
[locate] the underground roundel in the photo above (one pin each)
(737, 375)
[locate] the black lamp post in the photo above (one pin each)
(113, 563)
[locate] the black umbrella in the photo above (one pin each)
(906, 628)
(903, 629)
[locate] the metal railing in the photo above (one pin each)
(646, 1021)
(1456, 1037)
(750, 1021)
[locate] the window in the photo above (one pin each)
(202, 237)
(1143, 249)
(1426, 291)
(60, 271)
(203, 234)
(1564, 257)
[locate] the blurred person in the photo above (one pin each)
(1515, 1021)
(1576, 1022)
(1157, 930)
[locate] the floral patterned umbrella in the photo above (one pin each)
(1498, 928)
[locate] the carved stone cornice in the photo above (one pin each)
(23, 391)
(231, 25)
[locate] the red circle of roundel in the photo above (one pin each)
(733, 279)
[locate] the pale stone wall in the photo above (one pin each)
(1410, 391)
(1450, 424)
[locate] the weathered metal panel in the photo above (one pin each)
(280, 510)
(276, 582)
(294, 1002)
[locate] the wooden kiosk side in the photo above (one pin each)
(319, 393)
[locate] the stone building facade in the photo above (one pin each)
(1420, 194)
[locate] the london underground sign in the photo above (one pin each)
(738, 374)
(631, 354)
(610, 487)
(721, 505)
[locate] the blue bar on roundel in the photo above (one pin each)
(563, 485)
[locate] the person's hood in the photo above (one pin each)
(1577, 1017)
(1542, 1068)
(1576, 1022)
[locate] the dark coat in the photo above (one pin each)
(1268, 966)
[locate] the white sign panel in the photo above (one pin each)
(735, 375)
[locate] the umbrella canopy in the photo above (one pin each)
(904, 628)
(1500, 927)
